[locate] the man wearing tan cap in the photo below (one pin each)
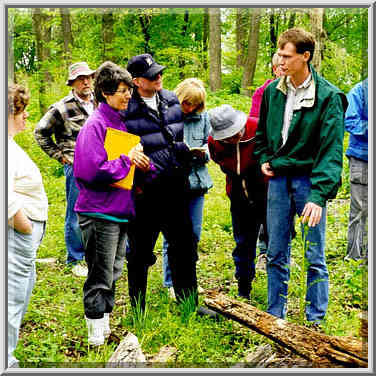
(63, 120)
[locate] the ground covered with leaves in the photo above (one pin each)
(54, 332)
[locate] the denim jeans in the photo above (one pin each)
(287, 196)
(357, 243)
(104, 243)
(73, 242)
(196, 207)
(22, 250)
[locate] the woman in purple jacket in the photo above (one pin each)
(104, 211)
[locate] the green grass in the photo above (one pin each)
(54, 331)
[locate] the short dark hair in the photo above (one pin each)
(18, 99)
(301, 39)
(108, 78)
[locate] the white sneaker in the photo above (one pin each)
(80, 270)
(106, 325)
(95, 330)
(171, 293)
(261, 262)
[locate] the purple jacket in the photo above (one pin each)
(94, 172)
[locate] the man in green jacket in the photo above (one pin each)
(299, 144)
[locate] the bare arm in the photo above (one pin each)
(21, 222)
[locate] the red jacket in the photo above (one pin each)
(257, 99)
(243, 173)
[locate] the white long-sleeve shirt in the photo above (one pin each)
(25, 185)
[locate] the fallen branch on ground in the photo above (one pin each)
(321, 349)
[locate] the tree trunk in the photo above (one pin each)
(321, 349)
(215, 79)
(37, 21)
(145, 17)
(241, 34)
(205, 37)
(108, 35)
(317, 18)
(181, 61)
(11, 62)
(66, 30)
(250, 63)
(46, 37)
(273, 33)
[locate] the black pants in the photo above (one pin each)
(247, 214)
(163, 206)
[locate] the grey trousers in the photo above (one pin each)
(357, 235)
(104, 243)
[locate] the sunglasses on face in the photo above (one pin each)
(155, 77)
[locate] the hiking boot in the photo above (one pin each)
(202, 311)
(95, 329)
(261, 262)
(244, 289)
(106, 325)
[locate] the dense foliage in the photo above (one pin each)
(178, 38)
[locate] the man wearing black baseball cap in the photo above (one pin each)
(162, 203)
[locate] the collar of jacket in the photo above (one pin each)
(70, 97)
(309, 99)
(136, 104)
(112, 115)
(192, 116)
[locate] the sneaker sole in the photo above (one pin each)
(95, 343)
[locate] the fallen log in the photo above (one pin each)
(322, 350)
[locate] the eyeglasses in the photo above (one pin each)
(125, 91)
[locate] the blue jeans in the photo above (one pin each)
(22, 250)
(105, 255)
(287, 196)
(196, 207)
(73, 242)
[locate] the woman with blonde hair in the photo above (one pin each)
(27, 215)
(192, 97)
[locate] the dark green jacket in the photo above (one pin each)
(314, 144)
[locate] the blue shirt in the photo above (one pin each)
(196, 133)
(356, 121)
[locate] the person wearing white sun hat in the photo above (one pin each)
(56, 134)
(231, 144)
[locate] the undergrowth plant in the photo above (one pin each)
(54, 334)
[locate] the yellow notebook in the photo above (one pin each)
(119, 142)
